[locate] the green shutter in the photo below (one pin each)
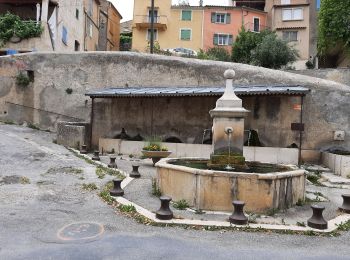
(186, 15)
(213, 17)
(230, 39)
(216, 39)
(228, 18)
(186, 35)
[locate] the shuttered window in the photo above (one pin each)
(64, 35)
(223, 18)
(290, 36)
(186, 15)
(222, 39)
(185, 34)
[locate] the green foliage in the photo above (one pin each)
(215, 53)
(154, 144)
(334, 21)
(310, 65)
(105, 195)
(12, 25)
(263, 49)
(181, 204)
(127, 208)
(155, 189)
(24, 180)
(273, 53)
(89, 186)
(247, 41)
(22, 80)
(125, 39)
(157, 49)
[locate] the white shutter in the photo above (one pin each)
(286, 14)
(298, 14)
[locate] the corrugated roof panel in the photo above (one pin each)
(197, 91)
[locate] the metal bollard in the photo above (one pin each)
(112, 163)
(346, 204)
(135, 172)
(164, 213)
(117, 191)
(96, 156)
(317, 221)
(238, 217)
(83, 149)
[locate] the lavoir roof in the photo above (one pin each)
(291, 90)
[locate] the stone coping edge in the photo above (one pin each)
(332, 224)
(294, 172)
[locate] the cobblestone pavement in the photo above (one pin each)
(41, 195)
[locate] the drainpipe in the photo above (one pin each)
(152, 27)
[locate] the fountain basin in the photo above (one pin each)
(261, 190)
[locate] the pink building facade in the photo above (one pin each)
(222, 24)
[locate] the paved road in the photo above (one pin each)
(32, 215)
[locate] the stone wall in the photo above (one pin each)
(340, 75)
(73, 134)
(326, 107)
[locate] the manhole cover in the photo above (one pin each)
(80, 231)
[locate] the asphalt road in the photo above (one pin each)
(32, 216)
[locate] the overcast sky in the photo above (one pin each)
(125, 7)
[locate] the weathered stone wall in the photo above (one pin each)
(340, 75)
(73, 134)
(186, 118)
(326, 107)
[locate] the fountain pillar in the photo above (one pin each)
(228, 127)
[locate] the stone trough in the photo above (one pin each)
(215, 190)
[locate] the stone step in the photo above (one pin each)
(334, 179)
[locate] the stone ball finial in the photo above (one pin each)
(229, 74)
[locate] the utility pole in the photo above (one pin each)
(152, 27)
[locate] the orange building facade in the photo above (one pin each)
(223, 24)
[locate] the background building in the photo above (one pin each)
(68, 25)
(296, 22)
(109, 31)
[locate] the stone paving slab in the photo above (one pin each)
(139, 192)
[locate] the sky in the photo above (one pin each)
(125, 7)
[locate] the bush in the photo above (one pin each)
(215, 53)
(22, 80)
(273, 53)
(247, 41)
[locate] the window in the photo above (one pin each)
(76, 46)
(285, 2)
(77, 13)
(292, 14)
(256, 24)
(221, 18)
(155, 34)
(222, 39)
(89, 28)
(186, 15)
(64, 35)
(318, 4)
(185, 34)
(155, 16)
(290, 36)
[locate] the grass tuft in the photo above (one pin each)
(181, 204)
(89, 186)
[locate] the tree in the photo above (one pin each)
(246, 41)
(273, 53)
(334, 25)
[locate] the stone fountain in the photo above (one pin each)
(212, 184)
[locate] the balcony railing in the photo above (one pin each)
(144, 22)
(255, 27)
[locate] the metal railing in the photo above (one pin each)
(147, 19)
(255, 28)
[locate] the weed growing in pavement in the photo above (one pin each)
(301, 224)
(100, 173)
(155, 189)
(24, 180)
(33, 126)
(105, 195)
(127, 208)
(89, 186)
(181, 204)
(344, 226)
